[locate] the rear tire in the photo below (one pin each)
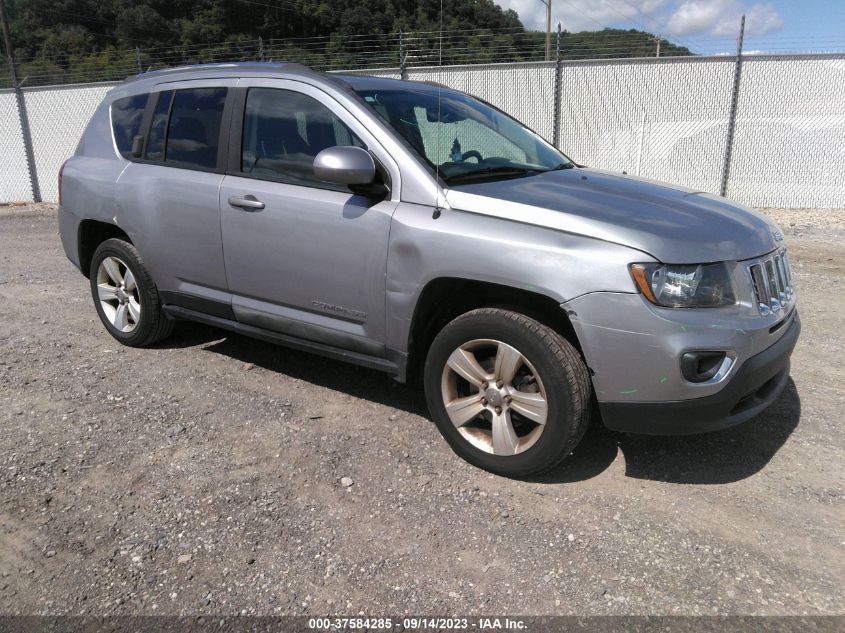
(509, 394)
(125, 296)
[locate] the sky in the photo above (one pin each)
(705, 26)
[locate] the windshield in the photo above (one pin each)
(465, 139)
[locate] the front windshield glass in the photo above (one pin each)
(464, 139)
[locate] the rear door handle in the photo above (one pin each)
(247, 203)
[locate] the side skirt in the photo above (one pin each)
(396, 368)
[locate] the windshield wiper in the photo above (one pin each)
(569, 165)
(490, 172)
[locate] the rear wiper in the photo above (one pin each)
(489, 172)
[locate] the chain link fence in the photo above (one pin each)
(789, 142)
(661, 118)
(57, 118)
(14, 175)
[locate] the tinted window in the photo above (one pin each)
(283, 132)
(194, 130)
(155, 144)
(126, 117)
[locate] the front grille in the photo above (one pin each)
(772, 280)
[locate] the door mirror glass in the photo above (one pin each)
(345, 166)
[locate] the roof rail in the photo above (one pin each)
(222, 67)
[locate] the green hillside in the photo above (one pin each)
(86, 40)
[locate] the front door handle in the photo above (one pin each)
(247, 203)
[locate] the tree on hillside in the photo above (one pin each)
(79, 40)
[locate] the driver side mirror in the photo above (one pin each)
(351, 166)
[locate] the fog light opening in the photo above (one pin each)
(705, 366)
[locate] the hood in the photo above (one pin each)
(673, 224)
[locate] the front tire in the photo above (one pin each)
(509, 394)
(125, 296)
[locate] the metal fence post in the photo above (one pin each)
(403, 69)
(558, 89)
(21, 103)
(27, 143)
(729, 140)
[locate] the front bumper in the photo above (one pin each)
(757, 384)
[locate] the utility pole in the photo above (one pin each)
(24, 119)
(548, 4)
(7, 44)
(659, 37)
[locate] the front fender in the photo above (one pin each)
(463, 245)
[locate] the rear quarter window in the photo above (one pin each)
(126, 117)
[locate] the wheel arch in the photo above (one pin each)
(90, 235)
(445, 298)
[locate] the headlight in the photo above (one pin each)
(685, 286)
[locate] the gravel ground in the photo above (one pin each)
(207, 476)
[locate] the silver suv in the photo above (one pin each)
(413, 229)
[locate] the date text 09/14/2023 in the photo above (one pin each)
(415, 623)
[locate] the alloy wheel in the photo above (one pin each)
(494, 397)
(117, 291)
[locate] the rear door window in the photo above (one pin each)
(194, 132)
(185, 128)
(126, 117)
